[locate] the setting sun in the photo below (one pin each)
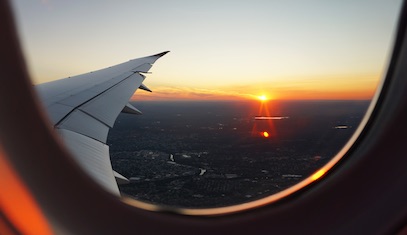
(262, 98)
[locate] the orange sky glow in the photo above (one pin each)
(220, 50)
(362, 89)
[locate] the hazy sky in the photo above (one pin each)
(284, 49)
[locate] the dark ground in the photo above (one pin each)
(209, 154)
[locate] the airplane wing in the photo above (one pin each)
(83, 108)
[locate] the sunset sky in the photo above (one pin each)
(290, 49)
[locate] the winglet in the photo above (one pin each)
(161, 54)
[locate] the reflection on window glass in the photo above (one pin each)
(253, 98)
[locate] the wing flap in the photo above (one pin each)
(84, 124)
(120, 179)
(144, 87)
(93, 157)
(131, 109)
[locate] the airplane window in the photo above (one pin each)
(256, 99)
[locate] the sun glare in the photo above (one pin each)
(318, 174)
(262, 98)
(265, 134)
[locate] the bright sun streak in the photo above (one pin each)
(262, 97)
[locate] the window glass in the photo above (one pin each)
(255, 96)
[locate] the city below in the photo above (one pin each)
(210, 154)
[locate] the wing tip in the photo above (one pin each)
(161, 54)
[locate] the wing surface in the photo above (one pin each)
(83, 108)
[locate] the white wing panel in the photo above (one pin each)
(107, 106)
(93, 156)
(143, 68)
(79, 98)
(83, 107)
(52, 92)
(75, 96)
(86, 125)
(58, 111)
